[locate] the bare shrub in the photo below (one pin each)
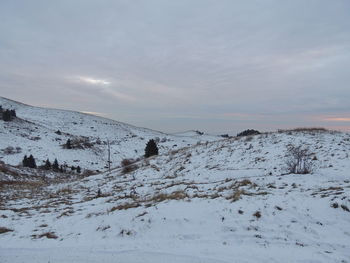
(299, 161)
(128, 166)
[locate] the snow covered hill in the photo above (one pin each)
(231, 200)
(35, 132)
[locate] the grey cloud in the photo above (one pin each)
(166, 60)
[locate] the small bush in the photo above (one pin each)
(335, 205)
(128, 166)
(345, 208)
(248, 133)
(257, 214)
(299, 161)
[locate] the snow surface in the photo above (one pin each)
(198, 203)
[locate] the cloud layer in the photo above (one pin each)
(220, 66)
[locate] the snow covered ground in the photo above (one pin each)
(229, 200)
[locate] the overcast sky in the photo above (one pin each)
(217, 66)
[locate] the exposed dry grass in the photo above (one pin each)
(50, 235)
(124, 206)
(4, 230)
(236, 195)
(303, 129)
(177, 195)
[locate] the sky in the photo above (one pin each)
(219, 66)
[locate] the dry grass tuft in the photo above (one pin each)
(124, 206)
(49, 235)
(236, 195)
(5, 230)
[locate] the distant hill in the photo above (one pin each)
(35, 132)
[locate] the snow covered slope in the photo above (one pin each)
(231, 200)
(35, 132)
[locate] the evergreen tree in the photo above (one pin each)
(1, 109)
(68, 144)
(6, 115)
(13, 113)
(55, 166)
(78, 170)
(31, 162)
(47, 165)
(25, 161)
(151, 148)
(72, 168)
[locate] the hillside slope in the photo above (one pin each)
(35, 132)
(224, 201)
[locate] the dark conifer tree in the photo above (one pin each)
(68, 144)
(31, 162)
(47, 165)
(55, 166)
(6, 115)
(13, 113)
(25, 161)
(78, 170)
(151, 148)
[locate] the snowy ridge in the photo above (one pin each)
(34, 131)
(230, 200)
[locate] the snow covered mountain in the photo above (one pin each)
(43, 133)
(227, 200)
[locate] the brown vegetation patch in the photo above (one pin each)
(257, 214)
(124, 206)
(236, 195)
(5, 230)
(303, 129)
(177, 195)
(50, 235)
(128, 166)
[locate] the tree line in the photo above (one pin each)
(55, 166)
